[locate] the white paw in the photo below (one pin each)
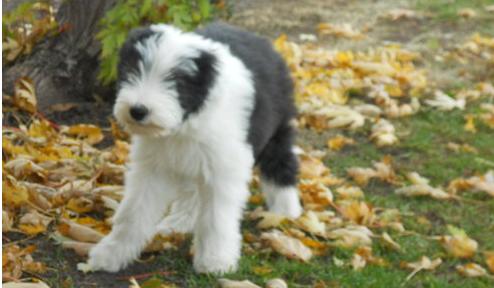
(215, 265)
(286, 203)
(108, 257)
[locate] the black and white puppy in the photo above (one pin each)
(203, 108)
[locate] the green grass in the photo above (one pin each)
(448, 9)
(422, 148)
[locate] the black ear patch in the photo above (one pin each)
(193, 86)
(129, 55)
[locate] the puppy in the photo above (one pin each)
(203, 108)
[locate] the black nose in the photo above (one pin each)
(138, 112)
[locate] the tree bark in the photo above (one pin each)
(64, 67)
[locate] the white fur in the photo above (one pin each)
(198, 169)
(281, 200)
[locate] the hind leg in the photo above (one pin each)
(279, 168)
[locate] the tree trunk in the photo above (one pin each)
(64, 67)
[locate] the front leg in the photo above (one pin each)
(147, 195)
(217, 238)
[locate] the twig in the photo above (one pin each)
(146, 275)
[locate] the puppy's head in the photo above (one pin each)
(164, 77)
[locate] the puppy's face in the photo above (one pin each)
(164, 77)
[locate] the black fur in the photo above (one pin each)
(130, 56)
(193, 87)
(270, 133)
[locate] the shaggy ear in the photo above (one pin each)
(195, 81)
(129, 55)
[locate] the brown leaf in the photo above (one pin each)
(25, 95)
(80, 248)
(79, 232)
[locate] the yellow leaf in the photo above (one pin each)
(310, 223)
(489, 260)
(471, 270)
(459, 244)
(262, 270)
(338, 142)
(470, 124)
(79, 232)
(13, 193)
(90, 133)
(357, 211)
(311, 167)
(285, 245)
(24, 95)
(34, 223)
(351, 236)
(80, 205)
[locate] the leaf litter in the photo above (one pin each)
(56, 182)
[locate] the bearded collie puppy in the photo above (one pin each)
(203, 108)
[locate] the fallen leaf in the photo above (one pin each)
(6, 221)
(269, 220)
(227, 283)
(276, 283)
(458, 244)
(309, 222)
(79, 232)
(470, 123)
(80, 248)
(357, 211)
(350, 192)
(383, 133)
(89, 133)
(339, 30)
(443, 102)
(390, 242)
(471, 270)
(423, 264)
(351, 236)
(401, 13)
(25, 95)
(39, 284)
(467, 13)
(290, 247)
(489, 260)
(33, 223)
(338, 142)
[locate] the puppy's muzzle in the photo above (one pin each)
(138, 112)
